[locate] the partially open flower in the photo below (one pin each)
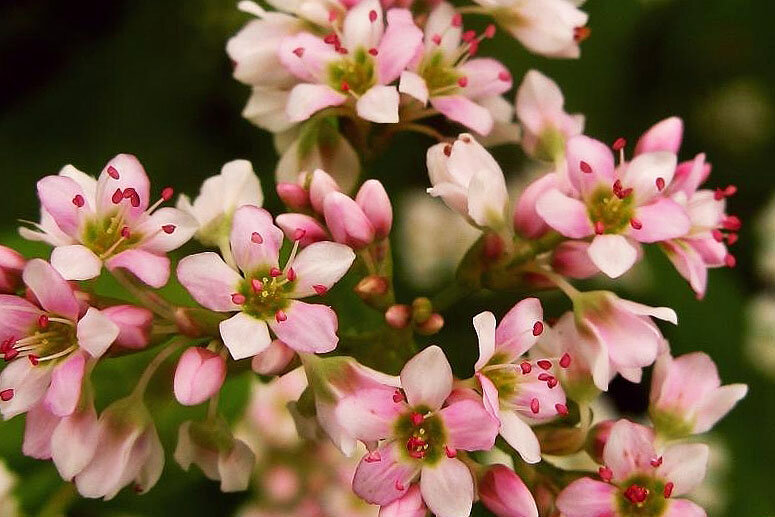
(199, 375)
(505, 494)
(134, 323)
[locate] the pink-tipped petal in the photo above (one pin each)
(684, 465)
(661, 220)
(252, 253)
(64, 392)
(307, 99)
(375, 203)
(346, 221)
(684, 508)
(629, 449)
(274, 359)
(410, 505)
(209, 280)
(565, 214)
(718, 404)
(74, 441)
(51, 290)
(586, 497)
(465, 111)
(131, 174)
(469, 425)
(199, 375)
(597, 156)
(516, 333)
(157, 239)
(644, 171)
(312, 230)
(308, 327)
(527, 222)
(398, 46)
(38, 427)
(505, 494)
(134, 323)
(486, 77)
(665, 135)
(571, 259)
(384, 481)
(57, 196)
(369, 414)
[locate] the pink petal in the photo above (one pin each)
(244, 335)
(665, 135)
(51, 290)
(73, 442)
(484, 324)
(369, 414)
(515, 332)
(464, 111)
(642, 173)
(527, 222)
(520, 436)
(254, 50)
(688, 263)
(153, 464)
(315, 56)
(684, 508)
(539, 100)
(661, 220)
(198, 376)
(255, 253)
(375, 203)
(308, 327)
(38, 427)
(56, 195)
(379, 104)
(410, 505)
(18, 317)
(274, 359)
(65, 391)
(427, 378)
(103, 476)
(547, 27)
(470, 426)
(131, 174)
(346, 221)
(359, 29)
(320, 186)
(718, 404)
(29, 384)
(684, 382)
(150, 268)
(134, 324)
(530, 387)
(629, 449)
(414, 85)
(400, 43)
(156, 240)
(612, 254)
(571, 259)
(210, 281)
(307, 99)
(586, 497)
(684, 465)
(76, 262)
(490, 397)
(505, 494)
(447, 488)
(320, 264)
(313, 230)
(486, 77)
(594, 153)
(11, 267)
(690, 175)
(440, 23)
(386, 480)
(632, 341)
(565, 214)
(96, 332)
(87, 183)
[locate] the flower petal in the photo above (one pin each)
(464, 111)
(484, 324)
(253, 253)
(385, 480)
(244, 335)
(64, 392)
(320, 264)
(718, 404)
(379, 104)
(594, 153)
(684, 465)
(414, 85)
(56, 194)
(157, 240)
(665, 135)
(38, 426)
(398, 46)
(486, 77)
(73, 442)
(448, 488)
(76, 262)
(643, 172)
(368, 415)
(613, 254)
(313, 230)
(210, 281)
(520, 436)
(565, 214)
(236, 467)
(96, 332)
(307, 99)
(150, 268)
(684, 508)
(361, 28)
(661, 220)
(131, 174)
(585, 497)
(469, 425)
(527, 222)
(308, 327)
(29, 384)
(310, 64)
(515, 333)
(51, 290)
(427, 378)
(629, 449)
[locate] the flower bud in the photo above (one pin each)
(421, 310)
(373, 290)
(597, 438)
(294, 196)
(301, 227)
(560, 440)
(274, 359)
(527, 222)
(11, 267)
(505, 494)
(347, 222)
(199, 375)
(375, 203)
(571, 259)
(398, 316)
(134, 325)
(320, 185)
(431, 326)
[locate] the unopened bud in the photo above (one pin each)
(432, 325)
(397, 316)
(597, 438)
(560, 440)
(372, 290)
(421, 310)
(293, 196)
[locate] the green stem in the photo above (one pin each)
(59, 501)
(419, 128)
(152, 301)
(145, 378)
(449, 296)
(472, 9)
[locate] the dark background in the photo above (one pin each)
(81, 81)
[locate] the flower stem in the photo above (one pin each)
(152, 301)
(425, 130)
(145, 378)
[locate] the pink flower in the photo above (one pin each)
(48, 344)
(134, 323)
(618, 207)
(11, 267)
(445, 72)
(517, 392)
(420, 437)
(91, 222)
(129, 451)
(551, 28)
(358, 63)
(265, 294)
(470, 181)
(545, 124)
(505, 494)
(199, 375)
(636, 479)
(211, 447)
(687, 396)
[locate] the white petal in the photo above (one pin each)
(379, 104)
(448, 488)
(76, 262)
(613, 254)
(414, 85)
(520, 436)
(427, 378)
(96, 332)
(484, 324)
(244, 335)
(320, 264)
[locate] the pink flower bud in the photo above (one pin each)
(526, 221)
(346, 221)
(11, 267)
(597, 438)
(432, 325)
(294, 196)
(319, 187)
(134, 325)
(273, 360)
(199, 375)
(312, 230)
(375, 203)
(665, 135)
(572, 260)
(398, 316)
(505, 494)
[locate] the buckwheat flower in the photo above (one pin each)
(357, 64)
(198, 376)
(545, 124)
(109, 220)
(129, 451)
(211, 446)
(552, 28)
(687, 396)
(617, 207)
(446, 74)
(638, 480)
(11, 267)
(469, 180)
(516, 391)
(219, 197)
(134, 323)
(420, 436)
(505, 494)
(263, 296)
(48, 345)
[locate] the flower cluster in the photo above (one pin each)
(309, 297)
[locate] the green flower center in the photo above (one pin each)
(108, 236)
(423, 434)
(50, 340)
(266, 293)
(610, 211)
(642, 496)
(355, 72)
(440, 77)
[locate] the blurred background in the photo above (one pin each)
(84, 80)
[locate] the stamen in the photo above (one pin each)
(43, 321)
(544, 364)
(717, 235)
(561, 409)
(33, 359)
(543, 377)
(167, 193)
(373, 51)
(660, 184)
(256, 238)
(299, 51)
(730, 260)
(436, 39)
(636, 494)
(112, 172)
(637, 225)
(168, 228)
(469, 36)
(535, 406)
(291, 275)
(462, 82)
(731, 223)
(280, 316)
(125, 232)
(320, 289)
(668, 490)
(581, 33)
(552, 381)
(732, 238)
(619, 144)
(400, 486)
(417, 419)
(79, 201)
(656, 462)
(526, 367)
(398, 397)
(599, 228)
(275, 272)
(238, 299)
(450, 451)
(489, 32)
(504, 76)
(11, 354)
(299, 234)
(565, 360)
(256, 285)
(373, 457)
(117, 196)
(457, 20)
(372, 16)
(447, 150)
(6, 395)
(538, 328)
(585, 167)
(605, 473)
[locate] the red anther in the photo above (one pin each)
(489, 32)
(299, 234)
(275, 272)
(636, 494)
(112, 172)
(33, 359)
(341, 50)
(462, 82)
(11, 354)
(732, 223)
(544, 364)
(656, 462)
(538, 328)
(299, 51)
(504, 76)
(238, 298)
(256, 238)
(6, 395)
(6, 345)
(436, 39)
(660, 184)
(473, 47)
(599, 227)
(417, 418)
(551, 382)
(732, 238)
(373, 51)
(372, 16)
(717, 235)
(331, 39)
(79, 201)
(398, 397)
(730, 260)
(280, 316)
(526, 367)
(372, 457)
(718, 194)
(117, 196)
(617, 186)
(447, 150)
(344, 86)
(565, 360)
(450, 451)
(167, 193)
(256, 285)
(619, 144)
(332, 15)
(457, 20)
(135, 200)
(400, 486)
(637, 225)
(320, 289)
(626, 192)
(168, 228)
(605, 473)
(535, 407)
(581, 33)
(43, 321)
(731, 190)
(469, 36)
(585, 167)
(543, 377)
(129, 192)
(465, 139)
(668, 490)
(291, 275)
(126, 232)
(561, 409)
